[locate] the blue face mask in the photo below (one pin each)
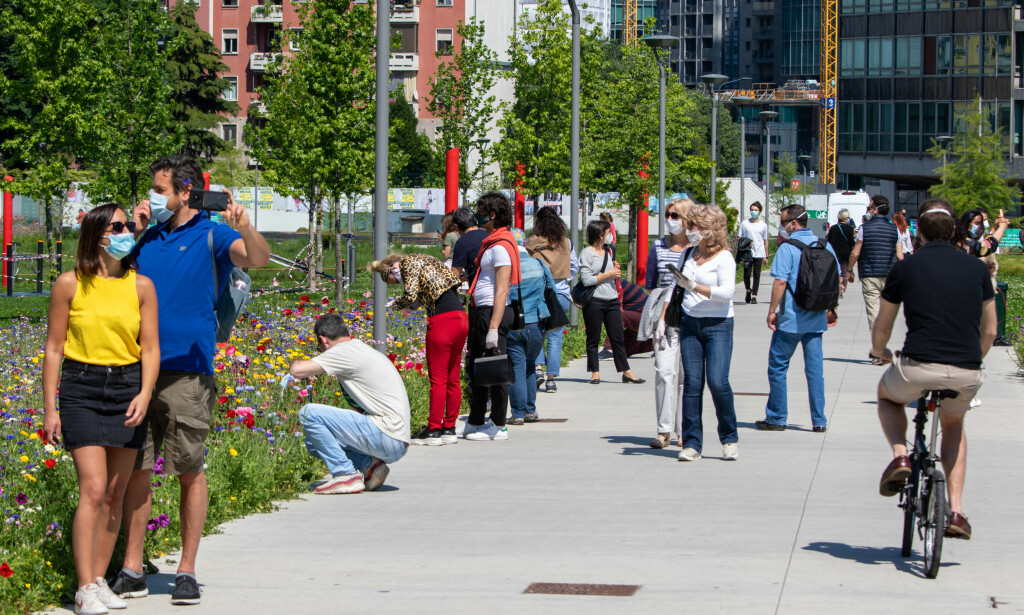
(120, 245)
(158, 207)
(754, 213)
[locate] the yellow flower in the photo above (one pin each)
(229, 391)
(24, 459)
(233, 452)
(28, 585)
(36, 361)
(30, 477)
(34, 436)
(399, 344)
(24, 433)
(232, 498)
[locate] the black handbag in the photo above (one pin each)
(518, 314)
(493, 370)
(674, 311)
(557, 318)
(582, 294)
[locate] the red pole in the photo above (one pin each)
(8, 222)
(206, 181)
(642, 243)
(520, 200)
(451, 180)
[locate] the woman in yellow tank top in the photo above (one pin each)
(103, 323)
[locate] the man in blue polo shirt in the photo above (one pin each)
(794, 326)
(176, 255)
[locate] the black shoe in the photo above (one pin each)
(764, 426)
(427, 437)
(186, 590)
(753, 301)
(129, 587)
(819, 429)
(515, 420)
(550, 387)
(448, 436)
(540, 380)
(629, 380)
(747, 299)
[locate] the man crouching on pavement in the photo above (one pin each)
(355, 444)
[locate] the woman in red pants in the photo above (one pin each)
(429, 283)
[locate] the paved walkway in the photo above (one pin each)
(795, 526)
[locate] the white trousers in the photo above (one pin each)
(668, 384)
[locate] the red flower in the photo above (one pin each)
(419, 367)
(362, 304)
(304, 298)
(223, 399)
(299, 309)
(392, 356)
(231, 414)
(248, 421)
(330, 311)
(260, 347)
(287, 312)
(42, 435)
(50, 463)
(325, 301)
(5, 570)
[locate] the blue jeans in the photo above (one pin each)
(524, 346)
(706, 346)
(779, 353)
(552, 359)
(346, 440)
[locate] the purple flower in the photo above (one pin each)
(158, 466)
(21, 499)
(152, 525)
(163, 520)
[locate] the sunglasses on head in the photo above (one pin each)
(672, 215)
(118, 227)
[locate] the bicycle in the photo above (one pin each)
(923, 498)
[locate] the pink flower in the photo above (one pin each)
(303, 393)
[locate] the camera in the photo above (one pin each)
(207, 200)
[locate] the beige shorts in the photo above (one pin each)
(906, 380)
(179, 414)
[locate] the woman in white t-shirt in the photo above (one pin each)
(756, 230)
(706, 329)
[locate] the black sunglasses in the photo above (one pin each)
(672, 215)
(118, 227)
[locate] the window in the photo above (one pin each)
(229, 41)
(229, 4)
(445, 2)
(443, 38)
(229, 132)
(231, 92)
(294, 39)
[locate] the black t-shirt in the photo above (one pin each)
(465, 250)
(942, 290)
(841, 238)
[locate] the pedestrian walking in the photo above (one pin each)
(842, 237)
(612, 238)
(599, 268)
(906, 238)
(792, 325)
(668, 389)
(103, 322)
(877, 249)
(709, 276)
(427, 282)
(524, 345)
(547, 242)
(755, 230)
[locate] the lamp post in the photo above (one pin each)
(574, 141)
(711, 81)
(765, 117)
(806, 160)
(380, 180)
(742, 100)
(944, 142)
(656, 42)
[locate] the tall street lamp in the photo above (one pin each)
(944, 142)
(711, 81)
(656, 42)
(767, 116)
(380, 180)
(574, 142)
(805, 163)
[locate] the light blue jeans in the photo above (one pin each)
(346, 440)
(779, 353)
(552, 359)
(524, 346)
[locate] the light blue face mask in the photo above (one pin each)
(158, 207)
(754, 213)
(120, 245)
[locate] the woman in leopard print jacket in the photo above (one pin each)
(429, 283)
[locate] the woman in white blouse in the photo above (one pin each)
(705, 331)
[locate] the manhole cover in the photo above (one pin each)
(550, 421)
(581, 589)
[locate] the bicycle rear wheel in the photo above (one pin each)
(934, 521)
(909, 514)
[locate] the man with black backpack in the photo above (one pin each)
(190, 260)
(806, 288)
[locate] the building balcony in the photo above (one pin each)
(408, 12)
(763, 7)
(404, 61)
(258, 106)
(258, 62)
(273, 13)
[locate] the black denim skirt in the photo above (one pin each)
(93, 404)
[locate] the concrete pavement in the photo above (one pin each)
(795, 526)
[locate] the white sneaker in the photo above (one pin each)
(468, 429)
(730, 452)
(975, 402)
(107, 597)
(689, 454)
(489, 431)
(87, 601)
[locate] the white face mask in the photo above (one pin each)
(673, 226)
(395, 271)
(693, 237)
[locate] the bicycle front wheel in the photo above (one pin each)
(934, 522)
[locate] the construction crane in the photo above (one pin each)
(629, 38)
(827, 109)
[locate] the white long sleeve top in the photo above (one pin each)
(718, 273)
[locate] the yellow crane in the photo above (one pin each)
(629, 37)
(827, 101)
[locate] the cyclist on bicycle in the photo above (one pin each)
(948, 303)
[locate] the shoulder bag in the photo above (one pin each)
(674, 313)
(581, 294)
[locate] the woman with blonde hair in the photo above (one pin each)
(842, 237)
(708, 275)
(428, 282)
(667, 367)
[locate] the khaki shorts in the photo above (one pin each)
(906, 380)
(179, 420)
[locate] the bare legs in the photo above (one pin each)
(138, 507)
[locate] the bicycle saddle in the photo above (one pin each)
(945, 393)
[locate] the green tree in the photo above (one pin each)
(417, 157)
(137, 126)
(231, 169)
(460, 95)
(975, 174)
(197, 103)
(785, 172)
(319, 110)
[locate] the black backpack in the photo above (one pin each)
(817, 282)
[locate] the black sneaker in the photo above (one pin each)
(766, 426)
(427, 437)
(186, 590)
(747, 298)
(129, 587)
(540, 379)
(448, 436)
(550, 387)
